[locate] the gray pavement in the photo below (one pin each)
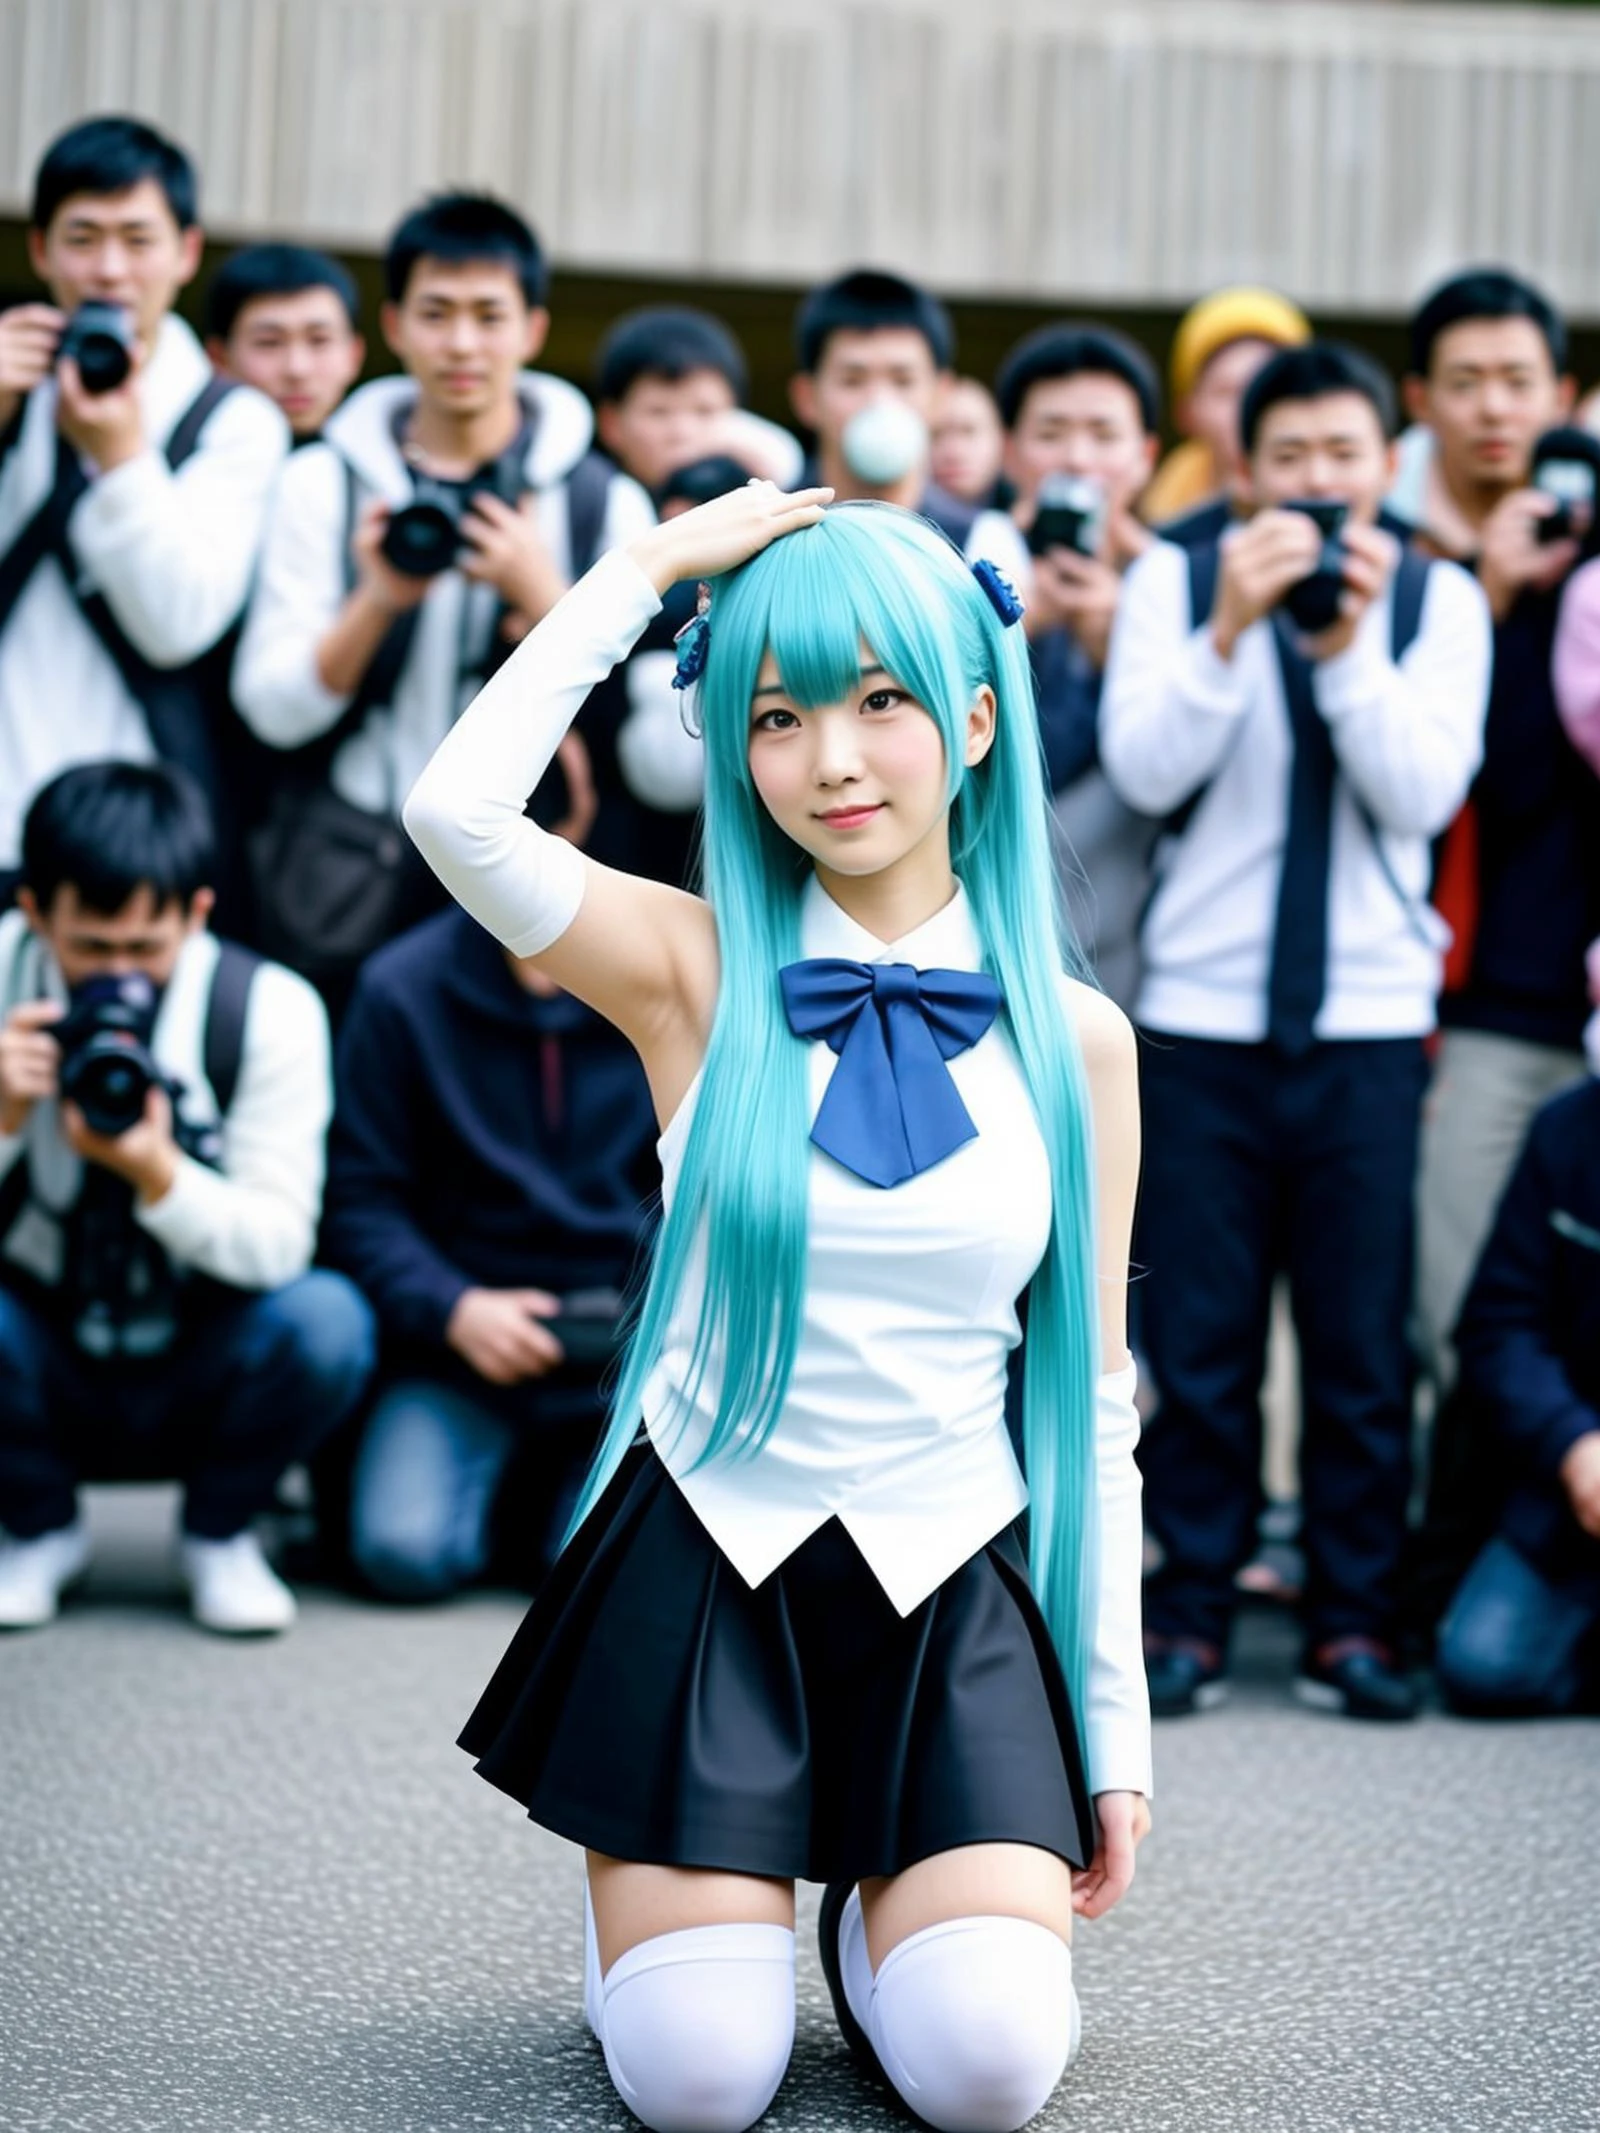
(258, 1890)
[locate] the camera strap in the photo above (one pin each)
(178, 724)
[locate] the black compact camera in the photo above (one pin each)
(99, 339)
(424, 536)
(1566, 467)
(590, 1326)
(107, 1068)
(1071, 514)
(1312, 602)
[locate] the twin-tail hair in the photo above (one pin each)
(875, 574)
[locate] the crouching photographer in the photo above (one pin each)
(163, 1102)
(492, 1154)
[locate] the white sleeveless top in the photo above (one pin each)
(894, 1420)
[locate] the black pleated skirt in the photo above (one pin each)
(653, 1707)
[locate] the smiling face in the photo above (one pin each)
(860, 785)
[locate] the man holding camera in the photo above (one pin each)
(442, 515)
(1081, 408)
(163, 1101)
(492, 1153)
(1303, 702)
(133, 486)
(1519, 875)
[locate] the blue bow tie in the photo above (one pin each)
(891, 1109)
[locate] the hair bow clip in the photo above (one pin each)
(1001, 594)
(693, 641)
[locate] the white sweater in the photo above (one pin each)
(253, 1223)
(303, 583)
(172, 553)
(1175, 719)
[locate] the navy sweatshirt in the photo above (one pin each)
(482, 1137)
(1066, 683)
(1538, 809)
(1529, 1337)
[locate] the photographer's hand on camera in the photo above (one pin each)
(29, 336)
(1259, 563)
(505, 549)
(1077, 593)
(719, 536)
(30, 1061)
(1370, 556)
(380, 594)
(500, 1333)
(146, 1156)
(107, 427)
(1512, 558)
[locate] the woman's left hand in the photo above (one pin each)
(1124, 1824)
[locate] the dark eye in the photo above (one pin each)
(778, 721)
(881, 700)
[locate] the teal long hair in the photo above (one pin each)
(872, 573)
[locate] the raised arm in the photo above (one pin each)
(643, 955)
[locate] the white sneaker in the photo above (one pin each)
(35, 1573)
(232, 1587)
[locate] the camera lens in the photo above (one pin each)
(99, 339)
(420, 539)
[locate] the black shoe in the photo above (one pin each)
(1356, 1677)
(1184, 1675)
(834, 1898)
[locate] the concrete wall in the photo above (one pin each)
(1127, 152)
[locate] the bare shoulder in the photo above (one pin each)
(1105, 1035)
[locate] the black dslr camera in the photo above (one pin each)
(424, 536)
(107, 1068)
(1566, 466)
(1312, 602)
(1071, 514)
(99, 339)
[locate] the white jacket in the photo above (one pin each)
(1176, 720)
(172, 554)
(253, 1222)
(303, 583)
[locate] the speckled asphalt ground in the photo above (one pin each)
(257, 1890)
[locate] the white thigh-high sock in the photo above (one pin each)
(975, 2021)
(697, 2026)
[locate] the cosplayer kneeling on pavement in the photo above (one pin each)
(795, 1631)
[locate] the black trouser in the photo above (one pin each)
(242, 1394)
(1254, 1165)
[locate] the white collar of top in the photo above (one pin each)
(947, 941)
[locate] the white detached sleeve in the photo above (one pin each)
(465, 811)
(1117, 1724)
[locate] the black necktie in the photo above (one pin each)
(1298, 974)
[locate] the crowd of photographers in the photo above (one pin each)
(1319, 706)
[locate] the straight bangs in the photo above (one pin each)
(813, 599)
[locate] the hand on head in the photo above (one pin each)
(728, 531)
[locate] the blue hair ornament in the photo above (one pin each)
(694, 641)
(1002, 595)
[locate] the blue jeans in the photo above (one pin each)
(431, 1465)
(1512, 1642)
(246, 1390)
